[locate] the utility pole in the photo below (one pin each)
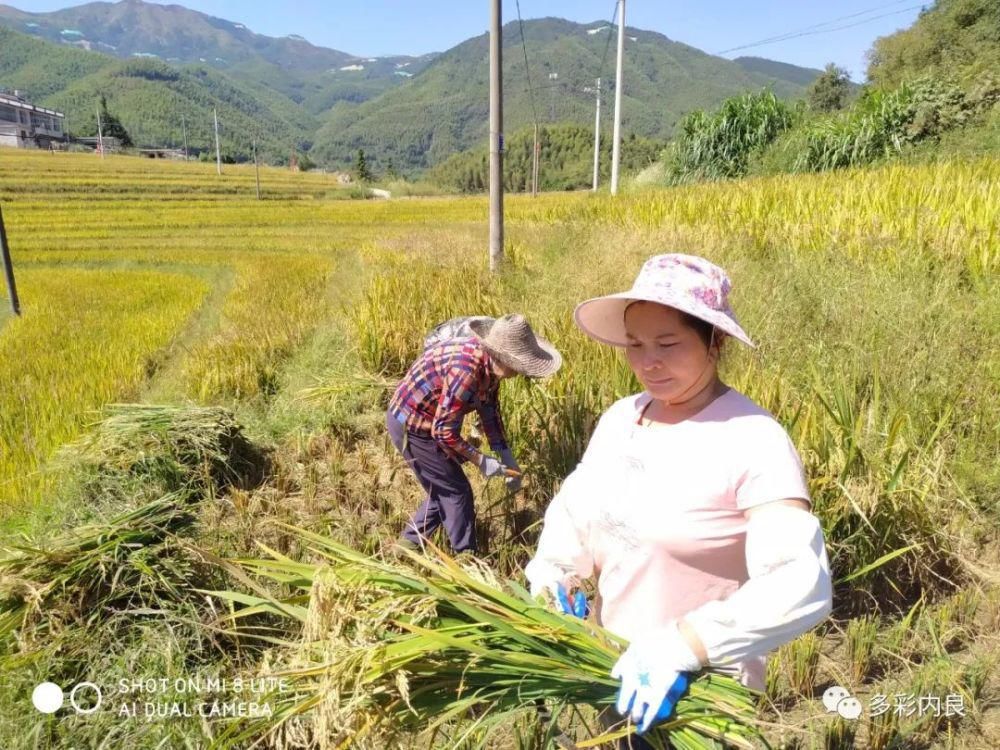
(534, 164)
(616, 145)
(100, 132)
(8, 269)
(496, 137)
(256, 167)
(184, 129)
(597, 136)
(218, 153)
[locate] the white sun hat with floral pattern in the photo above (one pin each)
(685, 282)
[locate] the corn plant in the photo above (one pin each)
(719, 144)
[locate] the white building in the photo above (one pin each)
(25, 125)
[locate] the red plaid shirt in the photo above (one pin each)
(446, 383)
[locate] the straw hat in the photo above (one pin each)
(511, 342)
(685, 282)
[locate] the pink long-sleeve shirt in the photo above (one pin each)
(656, 512)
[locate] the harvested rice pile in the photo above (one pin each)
(430, 644)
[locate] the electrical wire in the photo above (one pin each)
(817, 28)
(527, 69)
(607, 45)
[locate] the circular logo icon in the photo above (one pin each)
(84, 709)
(47, 697)
(833, 696)
(849, 707)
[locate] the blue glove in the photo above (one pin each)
(654, 673)
(577, 608)
(646, 717)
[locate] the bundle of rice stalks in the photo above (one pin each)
(434, 645)
(149, 448)
(82, 578)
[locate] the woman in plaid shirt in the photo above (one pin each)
(424, 419)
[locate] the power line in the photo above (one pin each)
(816, 28)
(607, 45)
(600, 68)
(831, 21)
(534, 114)
(527, 70)
(789, 34)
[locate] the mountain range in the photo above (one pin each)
(163, 68)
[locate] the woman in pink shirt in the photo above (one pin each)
(689, 505)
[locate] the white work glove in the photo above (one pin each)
(489, 466)
(654, 673)
(507, 459)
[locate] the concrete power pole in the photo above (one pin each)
(184, 129)
(256, 167)
(496, 137)
(100, 132)
(218, 154)
(597, 136)
(535, 150)
(617, 136)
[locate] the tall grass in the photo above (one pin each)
(873, 129)
(720, 144)
(883, 121)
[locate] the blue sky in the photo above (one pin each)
(381, 27)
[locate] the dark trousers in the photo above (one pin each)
(449, 495)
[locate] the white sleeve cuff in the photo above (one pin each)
(563, 554)
(788, 592)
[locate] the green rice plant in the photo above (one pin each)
(85, 338)
(839, 734)
(933, 683)
(942, 633)
(882, 730)
(276, 302)
(775, 682)
(862, 634)
(403, 303)
(391, 648)
(991, 604)
(960, 609)
(881, 518)
(899, 642)
(803, 662)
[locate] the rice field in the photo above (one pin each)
(872, 295)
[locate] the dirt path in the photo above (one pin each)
(166, 384)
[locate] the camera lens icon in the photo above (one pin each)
(48, 697)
